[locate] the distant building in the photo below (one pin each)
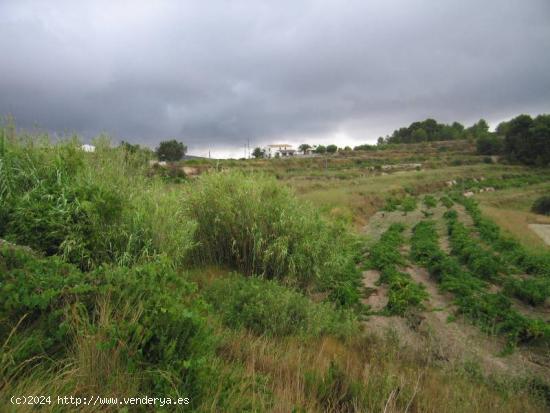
(282, 150)
(88, 148)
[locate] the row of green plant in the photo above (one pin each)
(493, 312)
(481, 262)
(404, 294)
(510, 250)
(487, 265)
(405, 204)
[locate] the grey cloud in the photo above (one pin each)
(217, 73)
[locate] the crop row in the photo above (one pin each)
(493, 312)
(482, 263)
(489, 266)
(403, 293)
(510, 249)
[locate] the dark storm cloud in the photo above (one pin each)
(217, 73)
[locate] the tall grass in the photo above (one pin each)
(88, 208)
(255, 225)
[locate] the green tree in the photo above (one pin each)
(479, 129)
(320, 149)
(419, 135)
(171, 150)
(489, 145)
(304, 148)
(332, 148)
(258, 153)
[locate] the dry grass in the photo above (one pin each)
(390, 378)
(517, 223)
(90, 369)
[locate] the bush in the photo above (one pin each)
(265, 307)
(50, 301)
(256, 226)
(62, 201)
(446, 201)
(430, 201)
(408, 204)
(541, 205)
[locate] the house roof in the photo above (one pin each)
(281, 145)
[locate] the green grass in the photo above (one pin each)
(103, 303)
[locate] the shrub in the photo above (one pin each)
(446, 202)
(49, 301)
(391, 204)
(408, 204)
(430, 201)
(542, 205)
(265, 307)
(256, 226)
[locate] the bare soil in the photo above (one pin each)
(542, 230)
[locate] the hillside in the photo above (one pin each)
(401, 279)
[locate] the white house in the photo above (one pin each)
(282, 150)
(88, 148)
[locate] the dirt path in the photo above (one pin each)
(430, 331)
(376, 295)
(457, 341)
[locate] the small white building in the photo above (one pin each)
(281, 150)
(88, 148)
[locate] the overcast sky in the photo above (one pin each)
(216, 73)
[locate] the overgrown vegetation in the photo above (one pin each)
(120, 285)
(266, 307)
(258, 227)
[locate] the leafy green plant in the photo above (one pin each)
(265, 307)
(446, 202)
(408, 204)
(430, 201)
